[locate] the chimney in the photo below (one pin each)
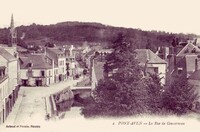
(196, 64)
(145, 67)
(195, 41)
(158, 51)
(175, 50)
(166, 52)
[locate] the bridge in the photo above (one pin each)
(82, 92)
(76, 93)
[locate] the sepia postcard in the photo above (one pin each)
(97, 65)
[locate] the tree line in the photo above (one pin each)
(78, 32)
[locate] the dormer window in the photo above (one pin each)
(186, 51)
(193, 50)
(155, 69)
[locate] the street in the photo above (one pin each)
(30, 106)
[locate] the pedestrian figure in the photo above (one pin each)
(47, 117)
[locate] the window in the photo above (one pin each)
(67, 66)
(156, 69)
(42, 73)
(61, 63)
(56, 72)
(186, 51)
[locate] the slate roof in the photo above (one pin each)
(195, 75)
(187, 50)
(38, 61)
(7, 55)
(145, 54)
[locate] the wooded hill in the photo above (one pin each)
(80, 32)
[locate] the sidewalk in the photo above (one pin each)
(11, 117)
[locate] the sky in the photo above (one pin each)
(178, 16)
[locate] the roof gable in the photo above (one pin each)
(144, 55)
(7, 55)
(189, 49)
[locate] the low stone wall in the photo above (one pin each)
(54, 110)
(49, 106)
(58, 97)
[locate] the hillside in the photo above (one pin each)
(78, 33)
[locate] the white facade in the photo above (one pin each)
(162, 70)
(61, 66)
(12, 73)
(37, 74)
(8, 84)
(3, 94)
(11, 70)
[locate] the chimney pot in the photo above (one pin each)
(196, 64)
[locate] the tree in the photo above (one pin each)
(155, 92)
(112, 98)
(179, 97)
(123, 60)
(124, 92)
